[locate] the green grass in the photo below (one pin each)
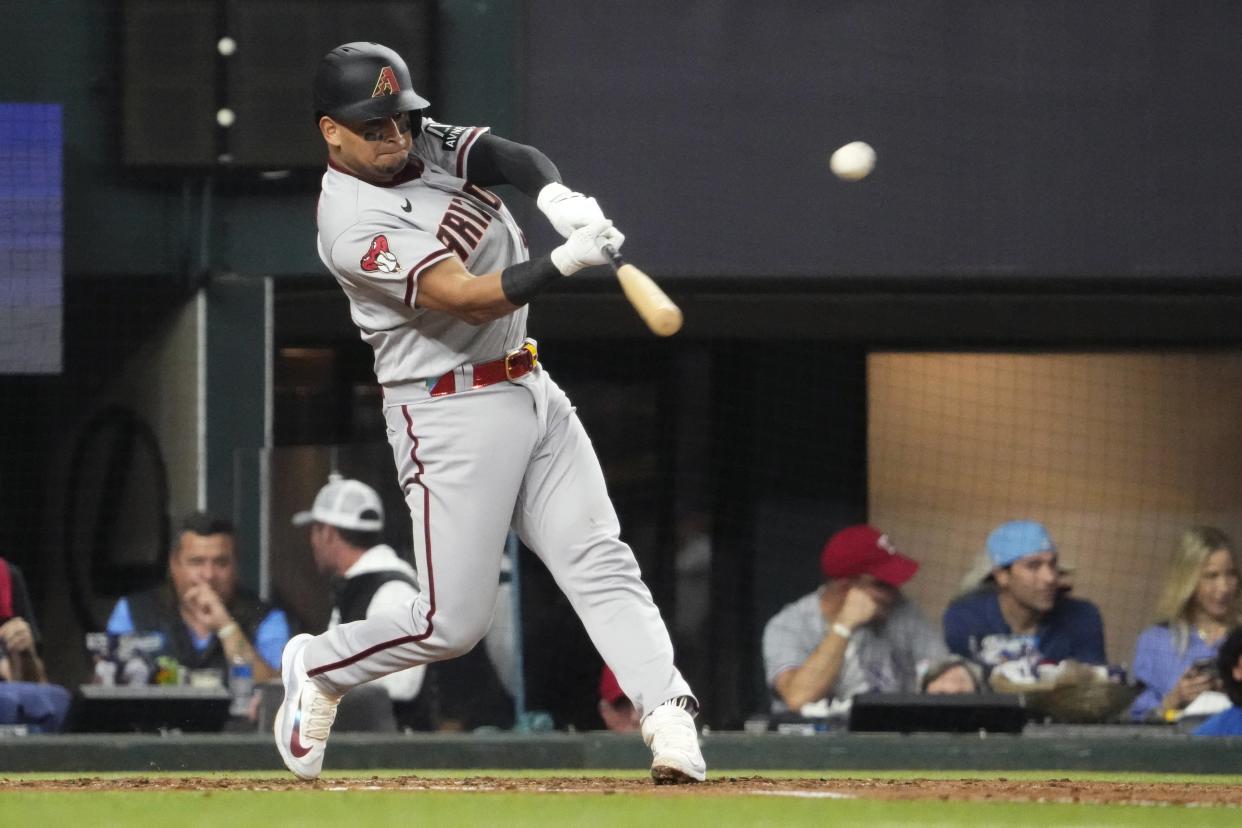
(236, 809)
(374, 809)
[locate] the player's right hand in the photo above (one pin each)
(582, 248)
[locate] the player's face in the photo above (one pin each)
(1218, 585)
(1032, 581)
(204, 559)
(376, 149)
(320, 549)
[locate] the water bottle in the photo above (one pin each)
(241, 686)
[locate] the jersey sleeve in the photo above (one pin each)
(387, 258)
(448, 147)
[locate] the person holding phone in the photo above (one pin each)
(1176, 657)
(1228, 667)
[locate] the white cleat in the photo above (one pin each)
(670, 733)
(305, 716)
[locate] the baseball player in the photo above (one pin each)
(438, 276)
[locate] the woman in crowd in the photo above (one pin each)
(1175, 658)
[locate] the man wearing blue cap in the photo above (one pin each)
(1020, 615)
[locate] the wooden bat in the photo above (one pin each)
(662, 316)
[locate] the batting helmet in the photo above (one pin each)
(360, 81)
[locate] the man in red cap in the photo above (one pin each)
(856, 633)
(615, 708)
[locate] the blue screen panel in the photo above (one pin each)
(31, 239)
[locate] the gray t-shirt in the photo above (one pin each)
(887, 656)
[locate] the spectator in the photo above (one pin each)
(1229, 664)
(856, 633)
(953, 675)
(204, 617)
(26, 697)
(1199, 605)
(615, 708)
(1022, 613)
(368, 577)
(19, 637)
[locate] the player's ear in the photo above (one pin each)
(330, 130)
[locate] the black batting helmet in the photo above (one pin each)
(360, 81)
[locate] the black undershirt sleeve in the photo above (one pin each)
(494, 160)
(521, 282)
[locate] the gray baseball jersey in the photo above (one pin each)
(377, 240)
(475, 462)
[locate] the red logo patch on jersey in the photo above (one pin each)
(379, 257)
(386, 84)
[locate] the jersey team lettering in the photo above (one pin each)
(448, 135)
(379, 257)
(462, 228)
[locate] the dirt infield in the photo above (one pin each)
(972, 790)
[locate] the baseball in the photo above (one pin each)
(853, 161)
(225, 117)
(226, 45)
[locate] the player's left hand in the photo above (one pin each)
(566, 209)
(206, 607)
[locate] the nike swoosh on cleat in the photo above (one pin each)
(295, 744)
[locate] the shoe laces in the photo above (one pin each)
(319, 715)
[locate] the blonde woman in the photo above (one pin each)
(1200, 605)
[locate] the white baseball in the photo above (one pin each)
(225, 117)
(226, 45)
(853, 161)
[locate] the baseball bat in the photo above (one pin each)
(662, 316)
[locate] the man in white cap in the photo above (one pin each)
(1024, 615)
(346, 522)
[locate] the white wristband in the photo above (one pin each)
(842, 630)
(227, 630)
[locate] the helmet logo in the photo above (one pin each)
(386, 83)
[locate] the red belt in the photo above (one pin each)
(516, 363)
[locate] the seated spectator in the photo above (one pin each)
(26, 697)
(1229, 666)
(368, 577)
(615, 708)
(856, 633)
(953, 675)
(1021, 613)
(204, 617)
(1199, 605)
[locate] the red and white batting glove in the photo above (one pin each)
(582, 248)
(566, 209)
